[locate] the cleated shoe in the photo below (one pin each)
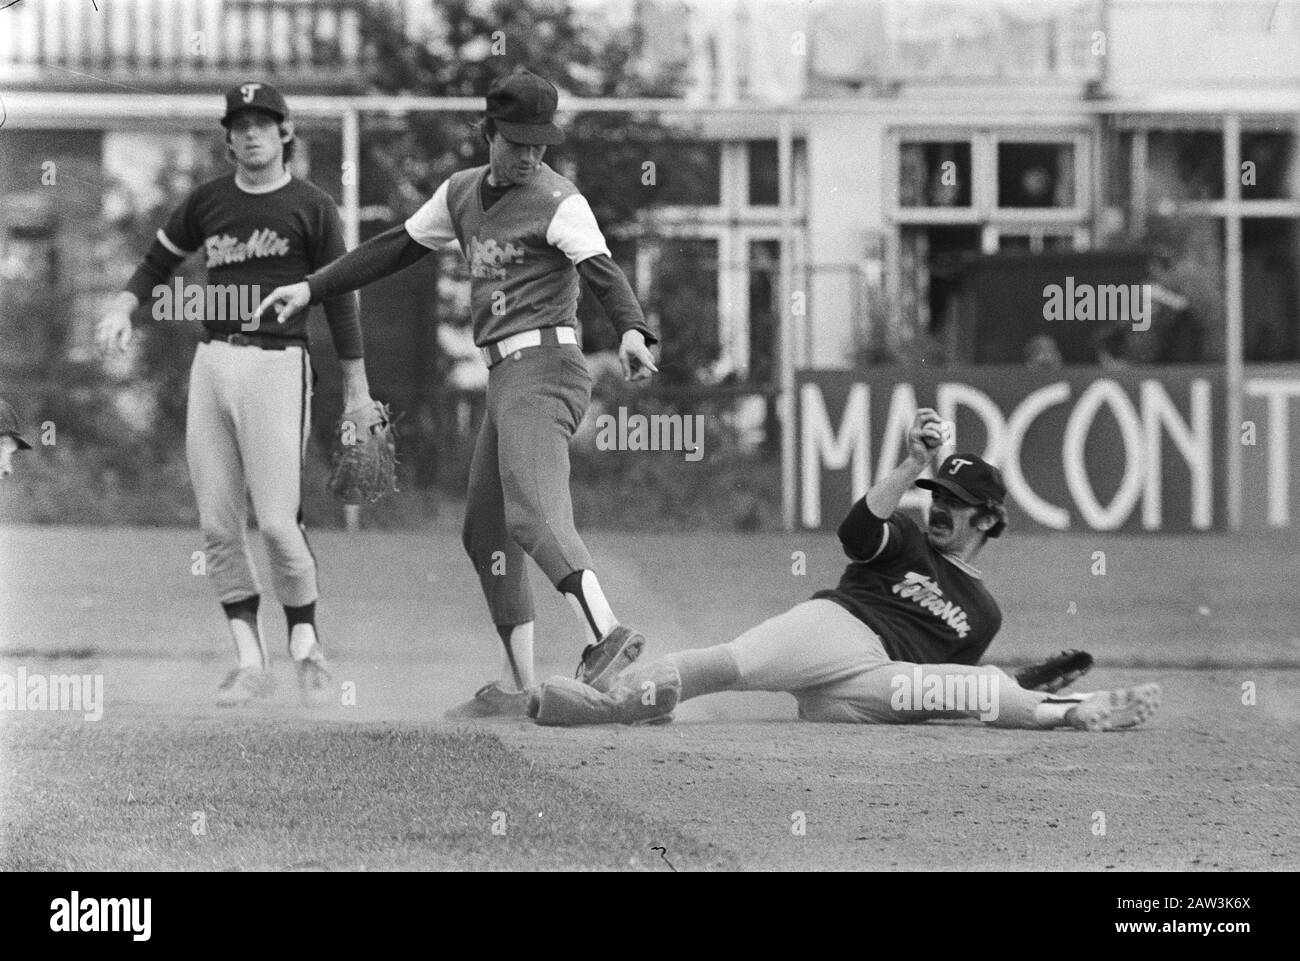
(602, 662)
(314, 681)
(1115, 710)
(242, 685)
(491, 700)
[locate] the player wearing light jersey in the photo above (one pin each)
(898, 640)
(528, 235)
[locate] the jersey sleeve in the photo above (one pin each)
(341, 312)
(431, 225)
(868, 539)
(573, 229)
(175, 241)
(182, 234)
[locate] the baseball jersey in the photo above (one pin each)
(522, 251)
(928, 607)
(260, 240)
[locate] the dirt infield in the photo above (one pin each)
(1211, 784)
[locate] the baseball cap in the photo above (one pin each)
(9, 425)
(970, 479)
(254, 96)
(523, 106)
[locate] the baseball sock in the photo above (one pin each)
(302, 629)
(588, 600)
(1052, 711)
(242, 617)
(517, 655)
(705, 670)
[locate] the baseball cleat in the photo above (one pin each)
(491, 700)
(314, 680)
(242, 685)
(1055, 673)
(602, 662)
(1115, 710)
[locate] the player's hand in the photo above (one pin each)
(927, 434)
(113, 332)
(287, 301)
(638, 363)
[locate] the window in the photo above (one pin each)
(764, 186)
(935, 174)
(1185, 165)
(1273, 169)
(687, 174)
(764, 308)
(1035, 175)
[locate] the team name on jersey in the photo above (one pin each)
(925, 592)
(261, 243)
(487, 258)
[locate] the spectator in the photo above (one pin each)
(10, 439)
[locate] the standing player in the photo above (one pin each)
(896, 642)
(11, 440)
(528, 235)
(247, 421)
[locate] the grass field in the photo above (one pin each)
(166, 780)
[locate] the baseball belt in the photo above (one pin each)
(252, 340)
(498, 351)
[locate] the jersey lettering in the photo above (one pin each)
(261, 243)
(926, 592)
(488, 259)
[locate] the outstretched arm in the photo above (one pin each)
(378, 257)
(924, 437)
(864, 532)
(396, 249)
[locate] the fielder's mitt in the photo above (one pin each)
(1056, 672)
(364, 466)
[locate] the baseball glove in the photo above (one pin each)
(364, 465)
(1056, 672)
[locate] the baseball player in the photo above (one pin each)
(528, 234)
(11, 440)
(897, 641)
(250, 385)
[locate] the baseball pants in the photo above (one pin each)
(519, 503)
(838, 670)
(246, 432)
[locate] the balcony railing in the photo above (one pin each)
(163, 45)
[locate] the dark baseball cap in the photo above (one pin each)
(970, 479)
(522, 105)
(9, 425)
(254, 96)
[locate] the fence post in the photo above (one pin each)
(351, 234)
(785, 197)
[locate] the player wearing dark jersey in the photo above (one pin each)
(898, 640)
(249, 401)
